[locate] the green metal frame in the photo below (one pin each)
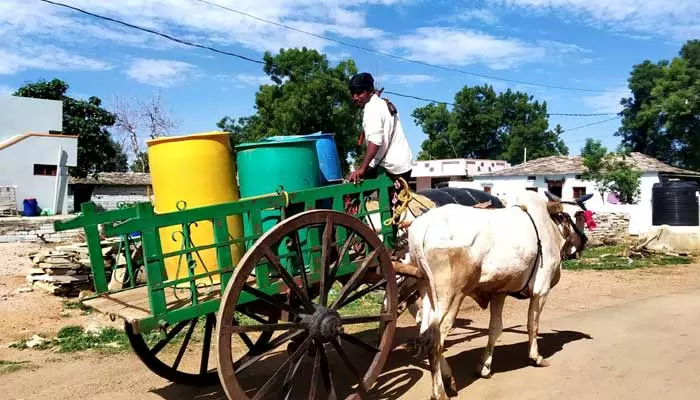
(141, 218)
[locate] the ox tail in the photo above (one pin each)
(429, 333)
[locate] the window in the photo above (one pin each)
(531, 178)
(534, 189)
(579, 177)
(579, 191)
(44, 170)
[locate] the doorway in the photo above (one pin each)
(555, 187)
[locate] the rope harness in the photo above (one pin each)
(521, 294)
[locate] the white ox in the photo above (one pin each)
(488, 254)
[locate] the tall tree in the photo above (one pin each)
(97, 152)
(137, 121)
(662, 118)
(483, 124)
(307, 96)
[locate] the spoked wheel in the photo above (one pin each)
(178, 358)
(329, 349)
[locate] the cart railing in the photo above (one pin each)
(199, 294)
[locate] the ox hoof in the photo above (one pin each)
(420, 347)
(483, 371)
(540, 362)
(450, 385)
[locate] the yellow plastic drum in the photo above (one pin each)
(194, 170)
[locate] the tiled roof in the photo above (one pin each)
(555, 165)
(115, 178)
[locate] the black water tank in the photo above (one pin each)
(674, 203)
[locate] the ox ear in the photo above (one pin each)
(552, 197)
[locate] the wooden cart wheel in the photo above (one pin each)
(325, 350)
(168, 364)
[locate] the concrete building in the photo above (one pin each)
(562, 176)
(430, 173)
(34, 155)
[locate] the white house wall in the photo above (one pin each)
(507, 188)
(17, 168)
(439, 168)
(20, 115)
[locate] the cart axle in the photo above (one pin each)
(324, 324)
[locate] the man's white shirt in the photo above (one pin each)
(378, 123)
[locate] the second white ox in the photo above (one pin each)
(488, 255)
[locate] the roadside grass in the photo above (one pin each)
(614, 258)
(7, 367)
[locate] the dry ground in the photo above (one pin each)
(122, 376)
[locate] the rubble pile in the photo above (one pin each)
(65, 270)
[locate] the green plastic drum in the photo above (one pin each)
(265, 166)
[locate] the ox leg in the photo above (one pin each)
(495, 330)
(446, 324)
(533, 323)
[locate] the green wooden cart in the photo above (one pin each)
(309, 311)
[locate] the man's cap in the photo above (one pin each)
(361, 82)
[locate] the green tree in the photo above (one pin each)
(307, 96)
(97, 152)
(593, 154)
(140, 163)
(483, 124)
(661, 119)
(611, 172)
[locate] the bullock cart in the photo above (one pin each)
(304, 307)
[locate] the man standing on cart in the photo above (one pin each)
(387, 149)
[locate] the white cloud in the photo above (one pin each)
(199, 21)
(678, 18)
(45, 57)
(252, 80)
(162, 73)
(481, 14)
(5, 90)
(404, 79)
(462, 47)
(608, 101)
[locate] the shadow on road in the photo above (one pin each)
(510, 357)
(403, 371)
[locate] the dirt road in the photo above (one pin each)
(609, 335)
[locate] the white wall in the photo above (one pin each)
(19, 115)
(436, 168)
(17, 168)
(108, 197)
(456, 167)
(508, 187)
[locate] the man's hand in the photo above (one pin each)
(356, 176)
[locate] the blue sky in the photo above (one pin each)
(589, 44)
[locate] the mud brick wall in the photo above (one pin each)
(31, 229)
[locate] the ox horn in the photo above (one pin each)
(552, 197)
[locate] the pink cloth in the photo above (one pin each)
(590, 222)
